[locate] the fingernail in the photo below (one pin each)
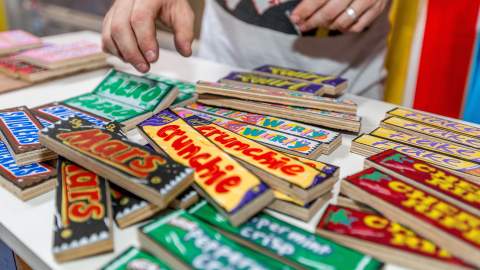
(294, 18)
(151, 56)
(141, 67)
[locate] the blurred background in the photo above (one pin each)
(432, 58)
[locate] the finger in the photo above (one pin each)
(142, 21)
(108, 45)
(123, 36)
(305, 9)
(182, 24)
(367, 18)
(344, 21)
(325, 15)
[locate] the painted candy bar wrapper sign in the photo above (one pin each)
(258, 155)
(133, 90)
(434, 158)
(437, 121)
(320, 113)
(379, 230)
(59, 111)
(432, 131)
(124, 202)
(438, 146)
(266, 136)
(105, 107)
(134, 161)
(301, 74)
(227, 182)
(282, 125)
(430, 176)
(186, 89)
(135, 259)
(20, 129)
(293, 94)
(428, 208)
(16, 38)
(82, 216)
(274, 82)
(201, 247)
(23, 176)
(62, 52)
(11, 64)
(308, 250)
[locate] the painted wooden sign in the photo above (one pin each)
(329, 119)
(451, 227)
(286, 126)
(136, 259)
(55, 56)
(233, 189)
(292, 207)
(431, 132)
(278, 170)
(333, 85)
(27, 181)
(447, 148)
(31, 73)
(129, 209)
(288, 244)
(16, 40)
(56, 111)
(452, 188)
(384, 239)
(272, 82)
(186, 90)
(147, 174)
(83, 218)
(368, 145)
(280, 141)
(19, 131)
(126, 98)
(188, 243)
(437, 121)
(277, 96)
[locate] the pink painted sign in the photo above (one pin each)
(61, 52)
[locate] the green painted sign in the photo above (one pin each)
(201, 247)
(133, 90)
(135, 259)
(301, 247)
(122, 96)
(104, 107)
(186, 90)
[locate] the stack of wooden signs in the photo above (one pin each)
(450, 144)
(426, 217)
(25, 60)
(238, 176)
(287, 93)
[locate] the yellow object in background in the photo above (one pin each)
(403, 17)
(3, 16)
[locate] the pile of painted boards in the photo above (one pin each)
(449, 144)
(292, 94)
(25, 59)
(409, 212)
(102, 175)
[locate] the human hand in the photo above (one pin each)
(343, 15)
(129, 30)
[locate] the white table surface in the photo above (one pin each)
(27, 226)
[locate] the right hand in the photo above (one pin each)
(129, 30)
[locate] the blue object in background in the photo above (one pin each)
(7, 258)
(471, 110)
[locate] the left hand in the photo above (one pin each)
(334, 14)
